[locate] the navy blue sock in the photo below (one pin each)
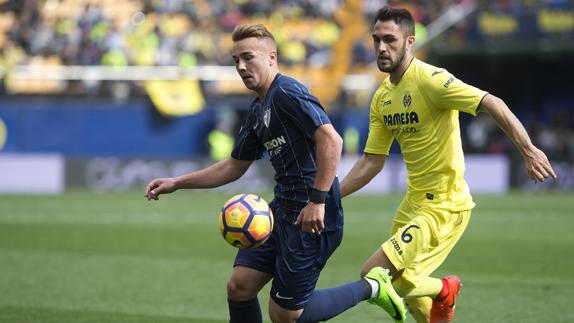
(330, 302)
(244, 311)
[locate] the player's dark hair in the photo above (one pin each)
(400, 16)
(246, 31)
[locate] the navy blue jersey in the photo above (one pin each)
(283, 125)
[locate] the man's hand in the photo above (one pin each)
(537, 165)
(160, 186)
(311, 218)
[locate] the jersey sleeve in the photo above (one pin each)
(380, 138)
(447, 92)
(247, 145)
(300, 107)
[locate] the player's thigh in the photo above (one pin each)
(246, 282)
(300, 258)
(252, 269)
(405, 213)
(421, 245)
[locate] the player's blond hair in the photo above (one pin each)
(246, 31)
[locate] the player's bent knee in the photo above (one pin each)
(239, 291)
(278, 314)
(284, 316)
(277, 317)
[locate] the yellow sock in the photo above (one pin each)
(418, 299)
(427, 286)
(419, 307)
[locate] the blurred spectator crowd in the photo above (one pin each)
(166, 32)
(178, 32)
(319, 41)
(312, 35)
(553, 132)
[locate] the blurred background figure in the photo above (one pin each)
(222, 137)
(146, 79)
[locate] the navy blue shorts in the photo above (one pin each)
(294, 258)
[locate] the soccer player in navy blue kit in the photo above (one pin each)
(288, 123)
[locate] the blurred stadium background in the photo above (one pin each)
(99, 96)
(106, 94)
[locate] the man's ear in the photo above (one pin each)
(272, 57)
(410, 41)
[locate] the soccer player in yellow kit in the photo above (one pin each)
(418, 105)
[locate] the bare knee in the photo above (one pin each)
(240, 291)
(245, 283)
(278, 314)
(279, 317)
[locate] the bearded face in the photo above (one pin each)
(390, 44)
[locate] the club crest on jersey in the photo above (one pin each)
(407, 100)
(267, 117)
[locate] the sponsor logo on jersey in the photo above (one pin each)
(388, 102)
(398, 119)
(448, 82)
(274, 143)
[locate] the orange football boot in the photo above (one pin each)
(442, 310)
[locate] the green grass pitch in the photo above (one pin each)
(115, 257)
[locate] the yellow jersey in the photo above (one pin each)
(421, 113)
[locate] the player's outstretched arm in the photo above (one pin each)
(536, 162)
(218, 174)
(362, 173)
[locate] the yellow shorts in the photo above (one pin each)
(421, 239)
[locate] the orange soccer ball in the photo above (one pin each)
(246, 221)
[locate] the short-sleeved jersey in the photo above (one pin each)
(283, 125)
(421, 113)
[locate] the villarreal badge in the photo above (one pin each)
(407, 100)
